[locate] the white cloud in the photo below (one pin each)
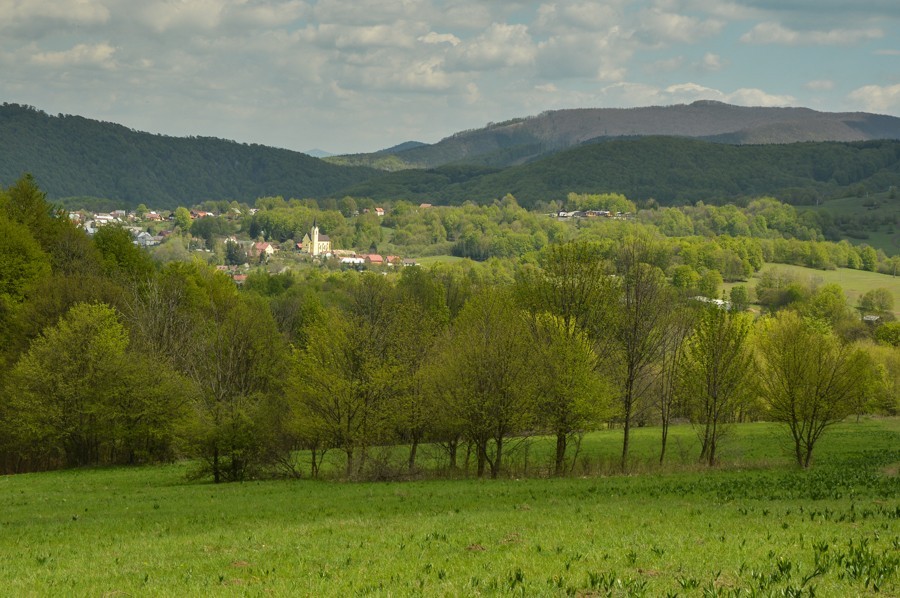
(775, 33)
(99, 55)
(712, 62)
(758, 97)
(581, 54)
(501, 46)
(439, 38)
(820, 85)
(71, 11)
(657, 25)
(166, 15)
(877, 98)
(887, 52)
(638, 94)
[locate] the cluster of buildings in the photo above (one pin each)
(564, 215)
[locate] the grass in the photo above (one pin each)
(854, 282)
(430, 260)
(872, 218)
(149, 531)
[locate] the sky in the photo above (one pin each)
(356, 76)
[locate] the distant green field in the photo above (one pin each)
(435, 259)
(880, 235)
(854, 282)
(742, 529)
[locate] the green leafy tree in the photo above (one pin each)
(877, 300)
(739, 297)
(714, 376)
(635, 329)
(572, 396)
(183, 219)
(343, 387)
(486, 374)
(82, 397)
(809, 379)
(120, 256)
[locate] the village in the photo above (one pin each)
(152, 228)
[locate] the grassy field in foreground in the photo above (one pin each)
(730, 531)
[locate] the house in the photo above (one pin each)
(153, 216)
(144, 239)
(393, 260)
(373, 259)
(379, 211)
(352, 261)
(263, 248)
(424, 206)
(316, 244)
(409, 262)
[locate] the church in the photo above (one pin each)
(315, 243)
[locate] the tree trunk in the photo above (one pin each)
(452, 447)
(498, 460)
(625, 441)
(216, 477)
(349, 471)
(481, 458)
(561, 441)
(412, 453)
(665, 437)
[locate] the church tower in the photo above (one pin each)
(314, 238)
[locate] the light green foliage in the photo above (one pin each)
(22, 261)
(877, 300)
(739, 297)
(80, 397)
(710, 282)
(343, 386)
(809, 380)
(183, 219)
(869, 258)
(572, 395)
(714, 376)
(889, 334)
(612, 202)
(486, 374)
(121, 257)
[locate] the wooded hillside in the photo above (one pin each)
(75, 156)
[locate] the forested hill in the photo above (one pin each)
(75, 156)
(524, 139)
(668, 169)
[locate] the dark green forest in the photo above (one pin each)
(112, 357)
(75, 156)
(670, 170)
(71, 156)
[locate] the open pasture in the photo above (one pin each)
(753, 527)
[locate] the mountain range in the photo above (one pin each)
(523, 140)
(705, 150)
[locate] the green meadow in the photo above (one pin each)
(855, 283)
(754, 526)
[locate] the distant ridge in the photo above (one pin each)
(74, 156)
(318, 153)
(522, 140)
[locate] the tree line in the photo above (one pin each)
(111, 358)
